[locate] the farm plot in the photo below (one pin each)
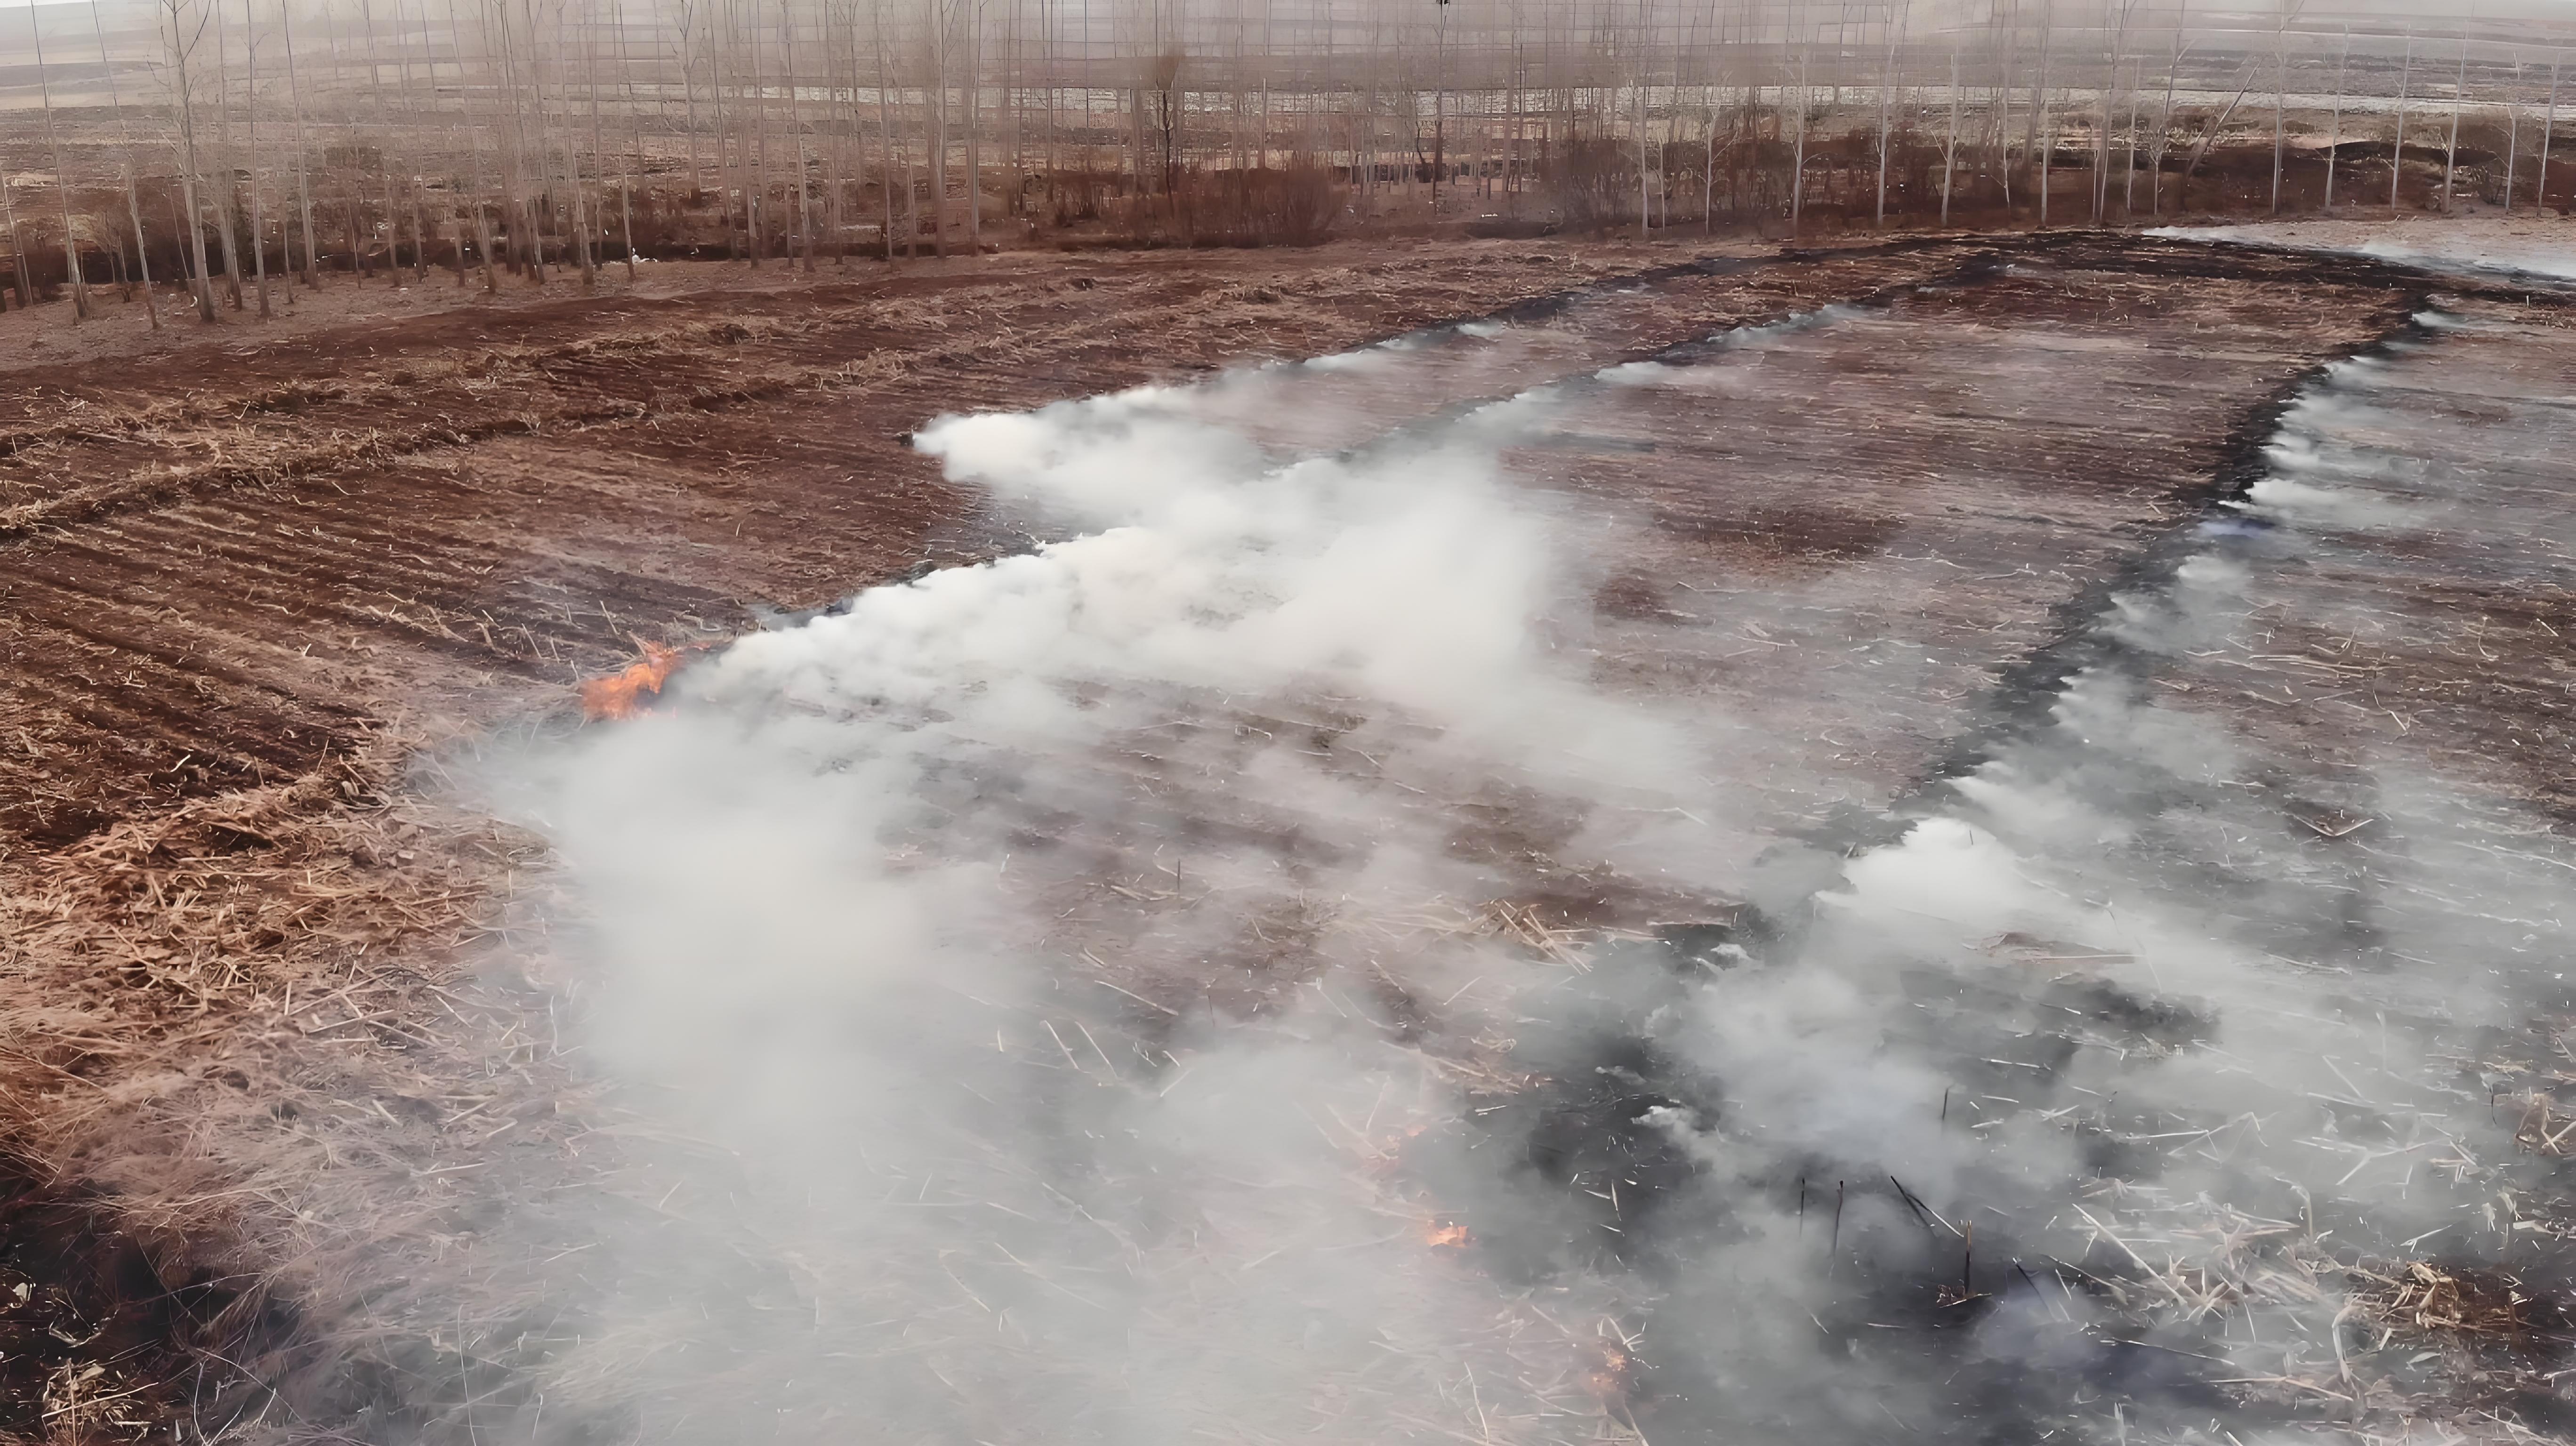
(1521, 740)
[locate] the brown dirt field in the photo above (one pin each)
(516, 490)
(275, 1007)
(255, 572)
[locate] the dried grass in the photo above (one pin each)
(255, 1031)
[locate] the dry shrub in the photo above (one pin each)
(1592, 181)
(1078, 198)
(1293, 205)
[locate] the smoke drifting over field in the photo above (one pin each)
(1206, 744)
(1108, 991)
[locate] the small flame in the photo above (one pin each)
(618, 697)
(1613, 1376)
(1447, 1237)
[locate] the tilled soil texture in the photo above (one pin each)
(226, 567)
(257, 983)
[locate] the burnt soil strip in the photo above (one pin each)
(2030, 686)
(1600, 1112)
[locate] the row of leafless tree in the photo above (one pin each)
(239, 143)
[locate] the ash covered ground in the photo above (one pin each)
(1961, 839)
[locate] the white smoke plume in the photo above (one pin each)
(917, 910)
(1088, 996)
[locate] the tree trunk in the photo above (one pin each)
(384, 149)
(2280, 102)
(2513, 141)
(582, 237)
(885, 128)
(2548, 132)
(303, 151)
(689, 103)
(1950, 147)
(2047, 155)
(179, 49)
(2182, 190)
(411, 174)
(18, 245)
(2334, 131)
(974, 92)
(635, 117)
(756, 186)
(2107, 98)
(227, 199)
(1886, 87)
(1798, 160)
(62, 182)
(940, 21)
(2137, 108)
(2459, 94)
(2164, 128)
(250, 114)
(796, 124)
(2397, 157)
(2039, 96)
(726, 178)
(590, 83)
(133, 197)
(474, 142)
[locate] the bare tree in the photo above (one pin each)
(2129, 172)
(686, 11)
(303, 147)
(1950, 144)
(2459, 98)
(582, 234)
(384, 150)
(942, 18)
(2513, 138)
(181, 41)
(2334, 133)
(885, 125)
(17, 241)
(2548, 131)
(1440, 116)
(635, 116)
(2280, 93)
(474, 143)
(1886, 85)
(1798, 154)
(2397, 156)
(2164, 124)
(133, 197)
(756, 163)
(796, 124)
(974, 93)
(250, 117)
(62, 181)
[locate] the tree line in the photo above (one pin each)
(231, 146)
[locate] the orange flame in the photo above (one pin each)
(1447, 1237)
(618, 697)
(1613, 1375)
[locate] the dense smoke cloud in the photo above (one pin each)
(1098, 981)
(854, 888)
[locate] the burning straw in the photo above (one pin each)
(620, 696)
